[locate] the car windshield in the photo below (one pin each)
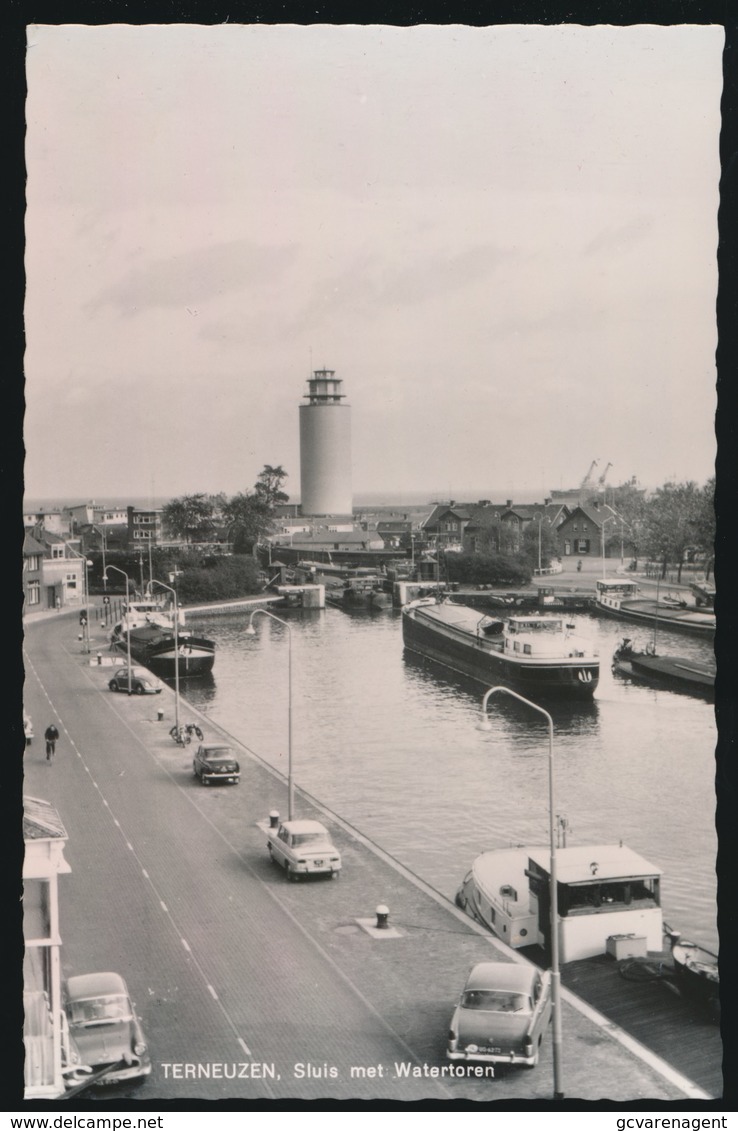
(217, 755)
(300, 839)
(99, 1010)
(496, 1001)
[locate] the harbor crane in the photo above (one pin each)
(587, 481)
(603, 477)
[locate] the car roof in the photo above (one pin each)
(501, 976)
(137, 671)
(305, 827)
(95, 985)
(209, 747)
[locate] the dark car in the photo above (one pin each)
(142, 681)
(214, 762)
(105, 1027)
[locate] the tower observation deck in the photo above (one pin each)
(325, 447)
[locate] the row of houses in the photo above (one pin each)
(57, 542)
(487, 527)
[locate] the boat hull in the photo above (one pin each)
(196, 655)
(467, 654)
(697, 976)
(697, 623)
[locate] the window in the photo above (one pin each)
(34, 592)
(71, 581)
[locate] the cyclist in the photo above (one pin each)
(51, 734)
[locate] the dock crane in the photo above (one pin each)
(603, 477)
(588, 481)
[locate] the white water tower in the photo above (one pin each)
(325, 448)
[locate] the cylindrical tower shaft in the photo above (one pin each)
(325, 448)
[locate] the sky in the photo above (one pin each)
(502, 239)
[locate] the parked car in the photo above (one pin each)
(214, 762)
(304, 848)
(502, 1014)
(142, 681)
(105, 1027)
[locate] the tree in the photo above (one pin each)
(539, 541)
(629, 500)
(704, 524)
(671, 518)
(268, 487)
(248, 518)
(192, 517)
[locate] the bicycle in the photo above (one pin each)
(183, 735)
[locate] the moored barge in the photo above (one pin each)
(539, 654)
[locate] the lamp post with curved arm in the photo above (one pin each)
(128, 613)
(163, 584)
(86, 625)
(553, 880)
(251, 631)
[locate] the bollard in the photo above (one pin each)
(273, 819)
(80, 637)
(382, 917)
(159, 715)
(99, 659)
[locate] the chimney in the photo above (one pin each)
(508, 504)
(547, 502)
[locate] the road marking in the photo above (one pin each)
(213, 993)
(186, 945)
(244, 1046)
(116, 822)
(163, 906)
(129, 846)
(145, 873)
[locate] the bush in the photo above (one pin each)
(488, 569)
(219, 579)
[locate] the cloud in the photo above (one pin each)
(634, 232)
(193, 277)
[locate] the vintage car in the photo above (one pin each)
(304, 848)
(215, 762)
(142, 681)
(105, 1028)
(502, 1014)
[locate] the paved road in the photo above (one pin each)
(172, 887)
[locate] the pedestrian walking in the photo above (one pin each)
(51, 734)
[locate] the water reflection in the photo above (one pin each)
(390, 742)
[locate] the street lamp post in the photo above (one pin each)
(176, 648)
(610, 518)
(128, 613)
(86, 625)
(251, 631)
(553, 881)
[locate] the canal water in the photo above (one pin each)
(392, 746)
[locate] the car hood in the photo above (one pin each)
(99, 1044)
(484, 1028)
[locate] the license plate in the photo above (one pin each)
(490, 1049)
(317, 863)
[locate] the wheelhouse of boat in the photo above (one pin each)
(612, 591)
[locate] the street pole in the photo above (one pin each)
(252, 632)
(176, 648)
(553, 884)
(128, 630)
(86, 625)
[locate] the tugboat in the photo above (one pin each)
(148, 626)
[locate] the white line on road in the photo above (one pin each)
(244, 1046)
(186, 945)
(213, 994)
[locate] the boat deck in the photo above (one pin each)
(654, 1013)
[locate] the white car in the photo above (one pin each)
(304, 848)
